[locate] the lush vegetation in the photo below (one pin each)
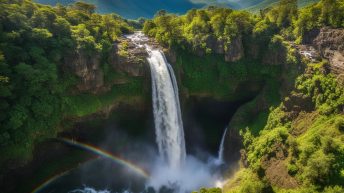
(199, 29)
(269, 3)
(324, 13)
(35, 81)
(299, 141)
(212, 76)
(305, 134)
(133, 9)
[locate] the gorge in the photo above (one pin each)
(214, 100)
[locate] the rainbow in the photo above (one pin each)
(54, 178)
(49, 181)
(108, 155)
(97, 151)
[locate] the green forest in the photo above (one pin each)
(285, 19)
(291, 130)
(35, 82)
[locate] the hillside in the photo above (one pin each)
(134, 9)
(292, 132)
(268, 3)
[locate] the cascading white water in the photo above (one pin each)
(221, 149)
(173, 168)
(167, 115)
(90, 190)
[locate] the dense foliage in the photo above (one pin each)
(212, 76)
(269, 3)
(34, 39)
(199, 28)
(304, 133)
(307, 138)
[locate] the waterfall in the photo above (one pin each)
(167, 115)
(221, 149)
(166, 108)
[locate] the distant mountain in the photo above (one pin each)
(235, 4)
(268, 3)
(133, 9)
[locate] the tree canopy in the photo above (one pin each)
(34, 39)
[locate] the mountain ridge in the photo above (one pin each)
(133, 9)
(268, 3)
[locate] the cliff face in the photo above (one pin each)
(129, 59)
(330, 44)
(300, 112)
(89, 69)
(232, 51)
(235, 50)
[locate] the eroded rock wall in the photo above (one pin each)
(89, 68)
(330, 44)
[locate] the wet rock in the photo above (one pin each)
(309, 52)
(171, 55)
(233, 145)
